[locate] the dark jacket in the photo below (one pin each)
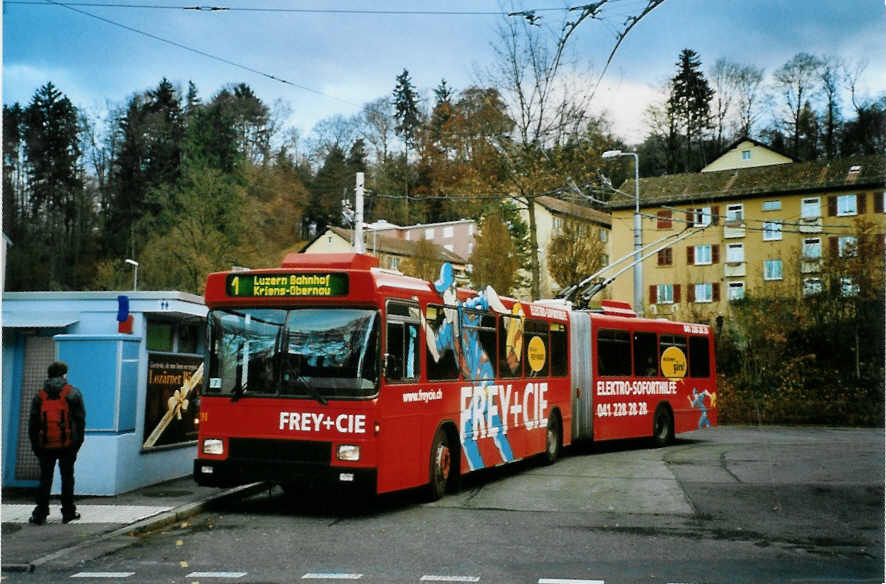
(53, 387)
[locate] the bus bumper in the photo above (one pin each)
(229, 473)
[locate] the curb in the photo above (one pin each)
(145, 525)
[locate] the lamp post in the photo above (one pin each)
(134, 264)
(638, 229)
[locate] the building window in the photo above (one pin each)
(558, 224)
(811, 208)
(604, 235)
(429, 233)
(735, 213)
(772, 269)
(702, 255)
(847, 205)
(666, 257)
(745, 154)
(447, 232)
(665, 294)
(701, 216)
(735, 290)
(734, 253)
(812, 248)
(848, 287)
(811, 286)
(704, 293)
(395, 263)
(449, 247)
(772, 205)
(771, 230)
(664, 220)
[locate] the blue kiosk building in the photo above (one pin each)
(133, 355)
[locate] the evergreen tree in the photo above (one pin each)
(689, 105)
(408, 121)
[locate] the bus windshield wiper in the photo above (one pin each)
(238, 392)
(303, 381)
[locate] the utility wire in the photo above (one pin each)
(333, 11)
(201, 52)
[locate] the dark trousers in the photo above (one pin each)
(65, 459)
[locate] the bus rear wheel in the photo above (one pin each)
(441, 465)
(553, 440)
(663, 426)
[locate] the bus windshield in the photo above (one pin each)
(314, 353)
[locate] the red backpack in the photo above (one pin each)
(55, 420)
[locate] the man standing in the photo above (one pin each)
(56, 429)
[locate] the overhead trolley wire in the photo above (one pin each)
(200, 52)
(333, 11)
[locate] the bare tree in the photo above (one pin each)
(378, 127)
(831, 76)
(748, 81)
(723, 78)
(796, 80)
(547, 100)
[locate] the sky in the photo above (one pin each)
(337, 59)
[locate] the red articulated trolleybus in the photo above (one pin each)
(330, 369)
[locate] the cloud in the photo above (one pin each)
(624, 104)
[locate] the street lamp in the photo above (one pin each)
(638, 229)
(134, 264)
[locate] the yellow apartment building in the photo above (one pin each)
(551, 216)
(760, 222)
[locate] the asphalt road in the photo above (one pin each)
(730, 504)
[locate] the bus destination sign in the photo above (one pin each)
(287, 285)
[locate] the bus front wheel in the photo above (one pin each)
(441, 465)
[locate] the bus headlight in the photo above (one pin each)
(348, 452)
(213, 446)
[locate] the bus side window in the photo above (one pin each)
(699, 357)
(614, 353)
(401, 359)
(444, 365)
(510, 346)
(537, 348)
(645, 358)
(559, 350)
(480, 327)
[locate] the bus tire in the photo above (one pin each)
(663, 426)
(441, 467)
(553, 439)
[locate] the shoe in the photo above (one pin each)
(70, 517)
(37, 519)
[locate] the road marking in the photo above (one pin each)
(216, 575)
(102, 574)
(567, 581)
(331, 576)
(433, 578)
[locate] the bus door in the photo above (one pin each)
(581, 377)
(401, 453)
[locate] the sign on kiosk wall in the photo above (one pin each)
(171, 409)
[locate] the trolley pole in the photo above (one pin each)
(638, 230)
(358, 217)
